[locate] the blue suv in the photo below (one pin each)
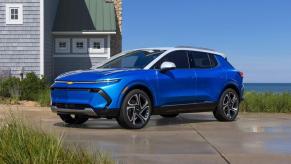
(136, 84)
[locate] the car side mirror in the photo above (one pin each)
(166, 66)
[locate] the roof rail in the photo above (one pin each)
(202, 48)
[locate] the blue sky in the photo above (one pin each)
(255, 35)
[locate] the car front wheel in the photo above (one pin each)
(228, 107)
(136, 110)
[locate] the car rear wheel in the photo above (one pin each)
(228, 107)
(169, 115)
(73, 119)
(136, 110)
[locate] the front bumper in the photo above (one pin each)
(82, 98)
(85, 111)
(90, 112)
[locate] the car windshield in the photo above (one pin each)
(133, 59)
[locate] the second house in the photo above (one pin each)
(50, 37)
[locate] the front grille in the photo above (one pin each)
(71, 106)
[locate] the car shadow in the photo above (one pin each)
(185, 119)
(91, 124)
(156, 121)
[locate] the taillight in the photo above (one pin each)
(241, 74)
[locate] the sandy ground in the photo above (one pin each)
(189, 138)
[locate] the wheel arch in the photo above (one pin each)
(142, 87)
(232, 86)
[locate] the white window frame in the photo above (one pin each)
(59, 49)
(8, 14)
(93, 50)
(80, 50)
(103, 52)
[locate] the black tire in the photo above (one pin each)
(228, 107)
(169, 115)
(136, 110)
(73, 119)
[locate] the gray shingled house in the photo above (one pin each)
(50, 37)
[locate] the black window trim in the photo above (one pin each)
(188, 60)
(214, 56)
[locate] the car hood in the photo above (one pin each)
(89, 75)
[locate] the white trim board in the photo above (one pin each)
(81, 33)
(108, 46)
(41, 57)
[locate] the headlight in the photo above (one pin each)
(90, 82)
(108, 81)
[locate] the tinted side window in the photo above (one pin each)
(213, 60)
(199, 60)
(180, 59)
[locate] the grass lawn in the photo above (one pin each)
(266, 102)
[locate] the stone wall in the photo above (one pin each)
(118, 11)
(116, 40)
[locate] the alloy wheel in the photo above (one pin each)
(230, 105)
(138, 109)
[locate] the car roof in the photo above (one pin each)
(187, 48)
(166, 49)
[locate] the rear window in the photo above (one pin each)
(202, 60)
(213, 60)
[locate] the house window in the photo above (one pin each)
(80, 45)
(96, 45)
(62, 45)
(14, 14)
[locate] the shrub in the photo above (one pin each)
(266, 102)
(10, 87)
(44, 97)
(21, 144)
(31, 86)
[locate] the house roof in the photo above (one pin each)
(85, 16)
